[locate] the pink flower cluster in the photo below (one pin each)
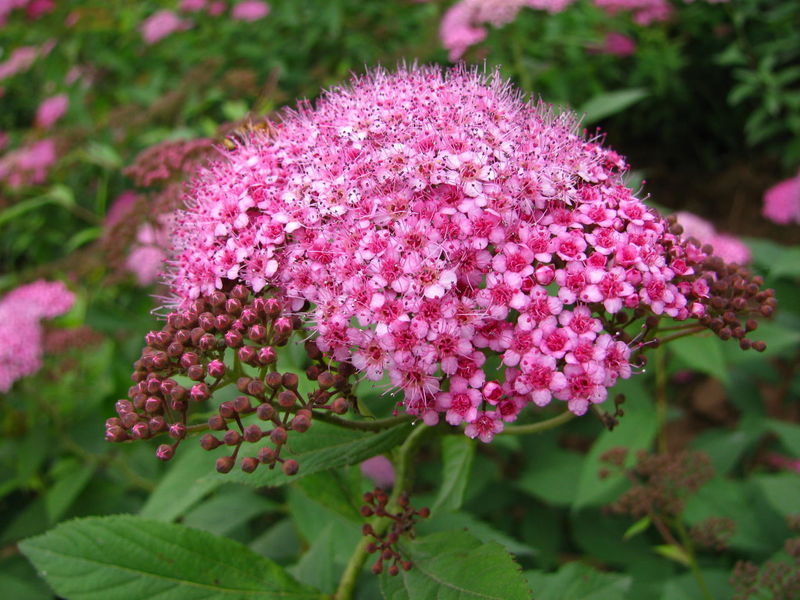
(51, 110)
(28, 165)
(727, 247)
(463, 24)
(33, 8)
(147, 255)
(438, 227)
(782, 202)
(160, 25)
(643, 12)
(21, 311)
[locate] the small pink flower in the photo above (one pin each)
(192, 5)
(161, 24)
(618, 44)
(51, 110)
(250, 10)
(21, 59)
(380, 469)
(782, 202)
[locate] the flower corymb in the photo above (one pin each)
(437, 232)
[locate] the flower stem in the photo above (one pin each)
(684, 333)
(540, 426)
(689, 550)
(403, 467)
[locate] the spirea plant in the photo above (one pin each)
(439, 256)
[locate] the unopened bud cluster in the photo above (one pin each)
(194, 344)
(385, 545)
(660, 483)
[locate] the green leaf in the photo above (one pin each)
(610, 103)
(71, 477)
(454, 565)
(788, 434)
(552, 476)
(702, 353)
(636, 430)
(232, 506)
(781, 491)
(578, 581)
(325, 447)
(458, 454)
(184, 485)
(129, 558)
(480, 529)
(639, 527)
(673, 553)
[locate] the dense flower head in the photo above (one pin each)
(643, 12)
(160, 25)
(51, 110)
(438, 231)
(250, 10)
(21, 313)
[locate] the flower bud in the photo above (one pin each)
(196, 372)
(249, 464)
(226, 410)
(199, 392)
(225, 464)
(177, 431)
(252, 433)
(232, 438)
(209, 442)
(233, 339)
(265, 412)
(278, 436)
(290, 380)
(267, 356)
(217, 423)
(216, 368)
(290, 467)
(339, 406)
(165, 452)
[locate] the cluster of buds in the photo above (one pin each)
(732, 296)
(777, 578)
(385, 545)
(660, 483)
(194, 343)
(713, 533)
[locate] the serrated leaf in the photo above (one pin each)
(471, 524)
(610, 103)
(454, 565)
(639, 527)
(129, 558)
(324, 447)
(578, 581)
(72, 477)
(458, 454)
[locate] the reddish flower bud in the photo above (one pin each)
(209, 442)
(267, 356)
(290, 467)
(216, 368)
(278, 436)
(249, 464)
(225, 464)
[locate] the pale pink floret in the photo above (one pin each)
(21, 312)
(782, 202)
(28, 165)
(643, 12)
(435, 223)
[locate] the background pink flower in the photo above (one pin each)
(782, 202)
(160, 25)
(250, 10)
(727, 247)
(51, 110)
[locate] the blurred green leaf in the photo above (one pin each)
(610, 103)
(579, 582)
(702, 353)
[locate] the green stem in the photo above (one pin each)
(675, 336)
(540, 426)
(403, 468)
(661, 398)
(367, 425)
(689, 550)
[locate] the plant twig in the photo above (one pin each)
(540, 426)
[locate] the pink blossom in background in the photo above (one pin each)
(147, 256)
(192, 5)
(3, 140)
(215, 9)
(28, 165)
(51, 110)
(782, 202)
(727, 247)
(787, 463)
(20, 314)
(462, 24)
(20, 60)
(160, 25)
(643, 12)
(618, 44)
(120, 208)
(380, 470)
(39, 8)
(250, 10)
